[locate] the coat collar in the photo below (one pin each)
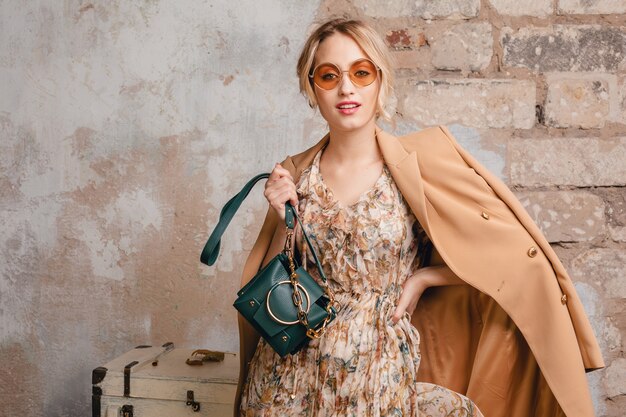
(402, 164)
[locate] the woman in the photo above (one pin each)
(360, 194)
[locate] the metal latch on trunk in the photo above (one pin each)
(126, 411)
(195, 406)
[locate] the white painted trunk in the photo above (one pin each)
(162, 389)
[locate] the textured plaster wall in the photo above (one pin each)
(126, 125)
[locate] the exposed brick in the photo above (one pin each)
(600, 310)
(399, 39)
(598, 278)
(568, 161)
(615, 198)
(604, 267)
(495, 103)
(574, 101)
(617, 233)
(450, 9)
(566, 216)
(488, 146)
(426, 9)
(466, 46)
(388, 8)
(591, 7)
(621, 99)
(615, 378)
(565, 48)
(410, 59)
(540, 8)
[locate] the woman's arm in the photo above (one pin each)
(414, 287)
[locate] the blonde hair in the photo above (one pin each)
(367, 38)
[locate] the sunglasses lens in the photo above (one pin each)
(363, 72)
(327, 76)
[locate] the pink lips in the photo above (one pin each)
(348, 110)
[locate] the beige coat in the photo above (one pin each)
(516, 340)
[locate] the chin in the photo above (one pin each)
(349, 123)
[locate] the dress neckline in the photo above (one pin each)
(331, 194)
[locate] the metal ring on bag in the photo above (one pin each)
(269, 309)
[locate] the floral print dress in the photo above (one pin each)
(364, 365)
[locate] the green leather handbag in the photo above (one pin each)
(282, 301)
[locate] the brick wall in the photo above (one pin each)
(536, 90)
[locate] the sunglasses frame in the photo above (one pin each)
(312, 73)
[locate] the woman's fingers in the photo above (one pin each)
(279, 189)
(411, 293)
(411, 307)
(278, 197)
(279, 172)
(403, 303)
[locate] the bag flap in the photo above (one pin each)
(283, 308)
(265, 279)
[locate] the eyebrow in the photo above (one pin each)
(350, 64)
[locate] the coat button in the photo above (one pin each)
(484, 215)
(564, 299)
(532, 251)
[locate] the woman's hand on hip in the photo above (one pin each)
(280, 188)
(414, 287)
(412, 290)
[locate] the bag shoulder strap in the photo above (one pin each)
(212, 247)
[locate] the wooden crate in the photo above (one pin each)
(155, 381)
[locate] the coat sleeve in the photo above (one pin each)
(248, 337)
(510, 206)
(509, 340)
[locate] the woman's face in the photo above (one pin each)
(337, 105)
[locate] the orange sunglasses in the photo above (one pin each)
(362, 73)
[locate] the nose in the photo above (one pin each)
(346, 86)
